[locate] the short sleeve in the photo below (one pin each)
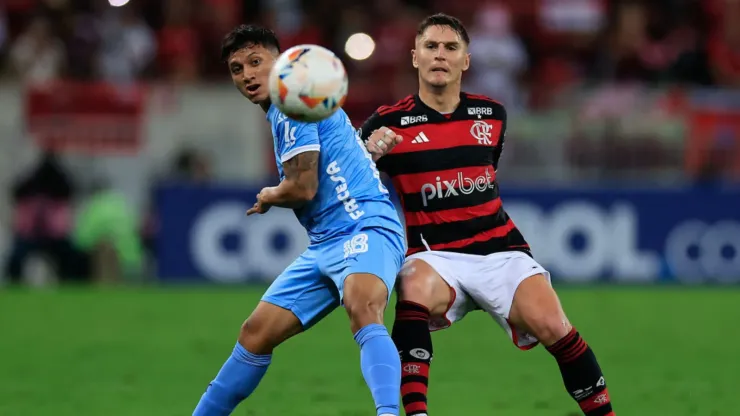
(295, 137)
(366, 130)
(502, 137)
(369, 126)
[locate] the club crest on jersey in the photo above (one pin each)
(476, 111)
(481, 131)
(409, 120)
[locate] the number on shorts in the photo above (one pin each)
(356, 245)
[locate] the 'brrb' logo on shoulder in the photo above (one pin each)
(408, 120)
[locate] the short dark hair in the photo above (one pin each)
(248, 35)
(441, 19)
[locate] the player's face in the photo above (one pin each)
(250, 69)
(441, 56)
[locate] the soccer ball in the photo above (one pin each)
(308, 83)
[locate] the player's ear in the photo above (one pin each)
(466, 64)
(414, 62)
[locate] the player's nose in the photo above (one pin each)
(247, 77)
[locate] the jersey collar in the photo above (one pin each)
(436, 115)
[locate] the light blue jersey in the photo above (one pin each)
(350, 191)
(351, 222)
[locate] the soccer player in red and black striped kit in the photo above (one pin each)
(441, 148)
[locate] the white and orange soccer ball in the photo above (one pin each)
(308, 83)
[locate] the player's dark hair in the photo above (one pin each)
(441, 19)
(248, 35)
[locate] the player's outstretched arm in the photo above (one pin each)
(378, 139)
(300, 183)
(381, 142)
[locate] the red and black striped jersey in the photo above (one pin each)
(445, 174)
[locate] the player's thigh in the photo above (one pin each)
(497, 282)
(303, 290)
(364, 265)
(365, 299)
(435, 279)
(537, 310)
(419, 282)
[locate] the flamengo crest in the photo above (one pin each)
(481, 131)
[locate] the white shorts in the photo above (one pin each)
(483, 282)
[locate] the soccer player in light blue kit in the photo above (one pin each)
(357, 245)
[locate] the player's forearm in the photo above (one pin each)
(289, 194)
(300, 183)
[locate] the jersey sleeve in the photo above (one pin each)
(366, 130)
(500, 148)
(369, 126)
(295, 137)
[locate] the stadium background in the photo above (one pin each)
(127, 161)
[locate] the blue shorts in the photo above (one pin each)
(312, 286)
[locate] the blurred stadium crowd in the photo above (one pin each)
(529, 54)
(524, 50)
(597, 90)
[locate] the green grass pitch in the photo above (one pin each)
(151, 352)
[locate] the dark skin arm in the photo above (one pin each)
(299, 186)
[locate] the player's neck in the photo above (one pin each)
(444, 100)
(265, 105)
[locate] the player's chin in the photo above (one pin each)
(438, 82)
(257, 97)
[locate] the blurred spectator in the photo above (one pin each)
(38, 55)
(128, 45)
(3, 30)
(106, 230)
(179, 43)
(303, 31)
(42, 205)
(724, 46)
(625, 56)
(287, 16)
(192, 165)
(646, 44)
(499, 56)
(572, 16)
(216, 17)
(82, 41)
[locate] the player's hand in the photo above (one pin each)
(382, 141)
(260, 207)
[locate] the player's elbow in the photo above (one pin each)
(305, 192)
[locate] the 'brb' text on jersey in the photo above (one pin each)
(350, 193)
(445, 174)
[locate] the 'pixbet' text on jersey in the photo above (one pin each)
(445, 174)
(460, 185)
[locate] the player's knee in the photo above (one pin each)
(365, 311)
(547, 328)
(256, 338)
(416, 288)
(262, 331)
(365, 299)
(537, 309)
